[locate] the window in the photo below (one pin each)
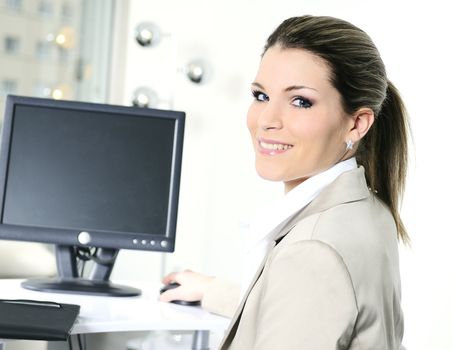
(45, 8)
(8, 86)
(15, 5)
(41, 55)
(43, 50)
(63, 55)
(11, 45)
(66, 10)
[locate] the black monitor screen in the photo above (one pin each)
(73, 167)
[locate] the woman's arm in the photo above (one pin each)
(308, 301)
(221, 297)
(216, 295)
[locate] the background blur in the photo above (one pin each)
(87, 50)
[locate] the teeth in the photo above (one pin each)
(275, 146)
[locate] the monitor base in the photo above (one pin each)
(80, 286)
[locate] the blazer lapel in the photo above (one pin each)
(285, 226)
(231, 331)
(348, 187)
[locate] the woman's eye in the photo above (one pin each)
(260, 96)
(301, 102)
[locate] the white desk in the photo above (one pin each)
(109, 314)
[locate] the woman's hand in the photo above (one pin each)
(192, 286)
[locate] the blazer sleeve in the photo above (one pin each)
(221, 297)
(308, 300)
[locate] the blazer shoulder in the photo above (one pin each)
(363, 233)
(357, 227)
(353, 226)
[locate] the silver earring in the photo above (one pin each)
(349, 145)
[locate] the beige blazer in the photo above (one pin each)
(330, 282)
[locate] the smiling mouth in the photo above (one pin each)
(275, 146)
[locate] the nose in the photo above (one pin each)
(270, 117)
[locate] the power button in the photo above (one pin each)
(84, 237)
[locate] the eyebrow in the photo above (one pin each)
(288, 89)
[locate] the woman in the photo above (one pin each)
(328, 123)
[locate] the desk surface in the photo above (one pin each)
(110, 314)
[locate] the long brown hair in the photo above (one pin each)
(359, 75)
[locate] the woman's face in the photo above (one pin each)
(296, 120)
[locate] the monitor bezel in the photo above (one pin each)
(98, 238)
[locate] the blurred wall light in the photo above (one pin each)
(144, 97)
(62, 91)
(57, 94)
(198, 71)
(195, 71)
(64, 38)
(147, 34)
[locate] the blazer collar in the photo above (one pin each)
(350, 186)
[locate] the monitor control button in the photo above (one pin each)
(143, 242)
(163, 244)
(84, 237)
(152, 242)
(135, 241)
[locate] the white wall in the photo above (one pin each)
(219, 186)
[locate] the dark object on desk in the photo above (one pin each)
(36, 320)
(174, 285)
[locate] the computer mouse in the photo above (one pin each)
(174, 285)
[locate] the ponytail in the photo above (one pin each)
(383, 152)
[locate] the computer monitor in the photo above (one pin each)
(87, 176)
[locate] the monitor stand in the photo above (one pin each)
(69, 280)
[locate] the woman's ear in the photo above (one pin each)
(363, 120)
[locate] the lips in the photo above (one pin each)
(273, 147)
